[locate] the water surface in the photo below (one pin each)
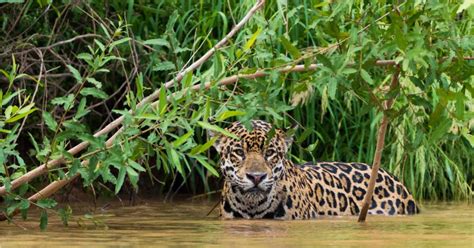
(185, 223)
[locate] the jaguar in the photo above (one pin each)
(261, 182)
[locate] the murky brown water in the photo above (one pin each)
(184, 223)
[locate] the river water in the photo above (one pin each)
(185, 223)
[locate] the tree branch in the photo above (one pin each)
(378, 150)
(6, 54)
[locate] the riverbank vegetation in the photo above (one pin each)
(70, 68)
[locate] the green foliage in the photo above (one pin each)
(100, 63)
(15, 107)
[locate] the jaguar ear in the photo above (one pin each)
(217, 137)
(289, 134)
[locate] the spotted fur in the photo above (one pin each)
(260, 182)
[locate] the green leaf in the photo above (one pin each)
(108, 59)
(176, 161)
(218, 65)
(94, 82)
(9, 110)
(76, 165)
(136, 165)
(273, 113)
(81, 109)
(365, 75)
(164, 66)
(332, 88)
(227, 114)
(163, 101)
(139, 85)
(118, 42)
(187, 80)
(21, 113)
(104, 29)
(182, 49)
(26, 109)
(17, 117)
(85, 56)
(6, 181)
(460, 107)
(43, 220)
(46, 203)
(202, 148)
(88, 91)
(178, 142)
(217, 129)
(440, 130)
(33, 141)
(76, 126)
(348, 71)
(66, 101)
(120, 179)
(100, 45)
(449, 172)
(252, 40)
(469, 138)
(148, 117)
(209, 167)
(132, 176)
(295, 53)
(157, 42)
(103, 70)
(75, 73)
(49, 120)
(4, 131)
(7, 97)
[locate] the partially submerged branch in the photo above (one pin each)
(378, 150)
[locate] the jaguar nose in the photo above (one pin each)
(256, 178)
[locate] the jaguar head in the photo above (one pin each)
(254, 163)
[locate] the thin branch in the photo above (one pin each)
(378, 150)
(7, 54)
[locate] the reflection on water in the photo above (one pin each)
(185, 223)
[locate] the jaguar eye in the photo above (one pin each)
(269, 153)
(239, 152)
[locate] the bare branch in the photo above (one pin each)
(378, 150)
